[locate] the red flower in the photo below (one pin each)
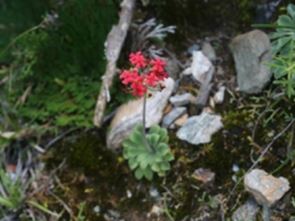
(151, 79)
(127, 76)
(138, 88)
(158, 65)
(137, 59)
(144, 74)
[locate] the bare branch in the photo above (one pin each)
(113, 47)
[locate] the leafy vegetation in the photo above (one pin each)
(57, 65)
(16, 17)
(148, 155)
(12, 194)
(283, 45)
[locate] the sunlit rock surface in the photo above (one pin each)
(265, 188)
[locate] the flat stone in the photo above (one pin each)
(181, 99)
(246, 212)
(199, 129)
(252, 53)
(265, 188)
(129, 115)
(172, 116)
(205, 176)
(181, 121)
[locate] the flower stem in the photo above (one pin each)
(144, 123)
(144, 114)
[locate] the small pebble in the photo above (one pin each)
(96, 209)
(129, 194)
(205, 176)
(156, 210)
(154, 193)
(235, 168)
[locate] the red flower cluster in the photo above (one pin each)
(144, 74)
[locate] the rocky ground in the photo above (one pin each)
(228, 130)
(225, 156)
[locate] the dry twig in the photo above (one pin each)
(113, 45)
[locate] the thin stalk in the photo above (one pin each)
(144, 114)
(144, 123)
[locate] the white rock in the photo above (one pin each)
(265, 188)
(219, 95)
(199, 129)
(130, 114)
(181, 99)
(201, 66)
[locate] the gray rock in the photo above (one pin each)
(172, 68)
(130, 114)
(246, 212)
(173, 115)
(209, 51)
(265, 188)
(199, 129)
(252, 53)
(181, 99)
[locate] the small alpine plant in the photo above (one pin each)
(147, 152)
